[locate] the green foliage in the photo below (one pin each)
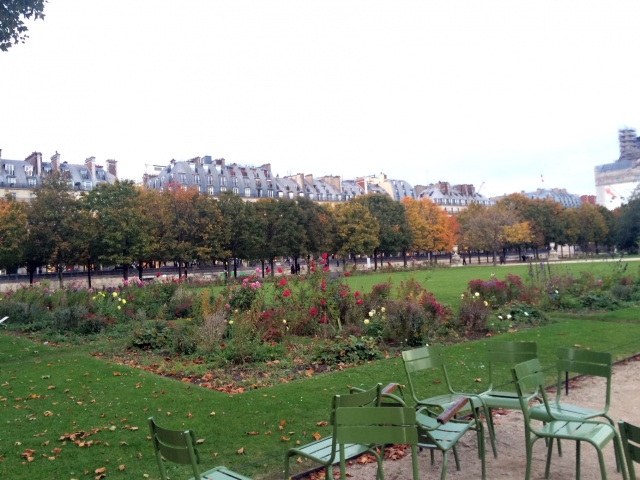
(12, 15)
(151, 335)
(348, 351)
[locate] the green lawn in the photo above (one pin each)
(89, 395)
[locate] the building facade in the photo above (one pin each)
(19, 178)
(616, 181)
(560, 195)
(452, 199)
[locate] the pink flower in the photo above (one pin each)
(226, 305)
(325, 269)
(157, 274)
(323, 319)
(313, 312)
(346, 274)
(358, 302)
(279, 270)
(257, 271)
(282, 282)
(322, 302)
(324, 256)
(357, 294)
(286, 293)
(343, 294)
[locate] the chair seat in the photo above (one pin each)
(222, 473)
(563, 411)
(446, 435)
(596, 433)
(321, 450)
(506, 400)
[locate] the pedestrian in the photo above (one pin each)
(297, 268)
(464, 261)
(293, 269)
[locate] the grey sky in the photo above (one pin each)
(464, 92)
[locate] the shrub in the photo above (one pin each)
(622, 292)
(350, 350)
(598, 301)
(183, 339)
(151, 335)
(406, 321)
(473, 313)
(381, 291)
(493, 291)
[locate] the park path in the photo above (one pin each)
(510, 464)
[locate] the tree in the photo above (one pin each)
(53, 225)
(394, 234)
(317, 222)
(628, 226)
(13, 231)
(430, 226)
(491, 228)
(593, 228)
(241, 229)
(569, 227)
(12, 16)
(356, 230)
(282, 229)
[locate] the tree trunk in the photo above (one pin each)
(89, 272)
(31, 276)
(470, 257)
(271, 260)
(375, 260)
(235, 267)
(60, 275)
(180, 268)
(140, 270)
(479, 261)
(494, 258)
(262, 261)
(404, 257)
(125, 271)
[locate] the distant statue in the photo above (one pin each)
(456, 260)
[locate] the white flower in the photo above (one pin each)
(508, 316)
(366, 321)
(118, 307)
(556, 291)
(500, 317)
(284, 321)
(477, 294)
(526, 314)
(372, 313)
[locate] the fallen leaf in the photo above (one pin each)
(121, 467)
(241, 451)
(284, 439)
(321, 424)
(316, 435)
(478, 380)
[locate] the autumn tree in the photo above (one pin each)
(628, 226)
(13, 13)
(430, 226)
(13, 231)
(241, 229)
(394, 232)
(492, 228)
(356, 230)
(569, 227)
(317, 222)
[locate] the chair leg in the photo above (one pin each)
(481, 450)
(414, 462)
(492, 435)
(616, 446)
(445, 460)
(578, 461)
(433, 460)
(529, 447)
(380, 474)
(601, 460)
(559, 448)
(455, 457)
(549, 453)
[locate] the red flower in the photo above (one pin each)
(323, 319)
(222, 345)
(268, 269)
(325, 269)
(286, 293)
(130, 297)
(324, 256)
(312, 269)
(313, 312)
(157, 274)
(322, 302)
(342, 294)
(279, 270)
(357, 294)
(346, 274)
(282, 282)
(358, 302)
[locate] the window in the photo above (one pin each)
(329, 197)
(223, 189)
(301, 194)
(183, 178)
(259, 192)
(247, 192)
(84, 173)
(12, 180)
(210, 190)
(235, 190)
(31, 181)
(290, 195)
(280, 194)
(223, 181)
(100, 174)
(246, 182)
(258, 183)
(196, 179)
(209, 180)
(8, 168)
(269, 184)
(28, 170)
(234, 181)
(311, 196)
(88, 185)
(270, 193)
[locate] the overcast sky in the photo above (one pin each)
(465, 92)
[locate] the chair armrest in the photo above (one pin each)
(389, 388)
(356, 390)
(395, 398)
(450, 412)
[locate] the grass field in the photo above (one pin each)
(48, 392)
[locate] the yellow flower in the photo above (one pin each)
(230, 322)
(372, 313)
(366, 321)
(188, 319)
(115, 294)
(124, 301)
(284, 321)
(118, 307)
(477, 294)
(383, 309)
(486, 304)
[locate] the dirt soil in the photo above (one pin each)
(510, 464)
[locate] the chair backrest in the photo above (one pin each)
(374, 426)
(420, 359)
(584, 362)
(528, 377)
(628, 434)
(176, 446)
(510, 353)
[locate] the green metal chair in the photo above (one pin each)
(325, 451)
(528, 376)
(179, 447)
(582, 362)
(630, 433)
(375, 426)
(431, 358)
(510, 353)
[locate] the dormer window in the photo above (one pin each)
(31, 181)
(183, 178)
(28, 170)
(88, 186)
(100, 174)
(84, 173)
(11, 181)
(8, 169)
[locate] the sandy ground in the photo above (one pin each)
(511, 461)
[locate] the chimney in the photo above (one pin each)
(112, 167)
(55, 161)
(90, 164)
(35, 159)
(0, 153)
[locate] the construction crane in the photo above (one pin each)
(481, 185)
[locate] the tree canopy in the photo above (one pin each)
(13, 13)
